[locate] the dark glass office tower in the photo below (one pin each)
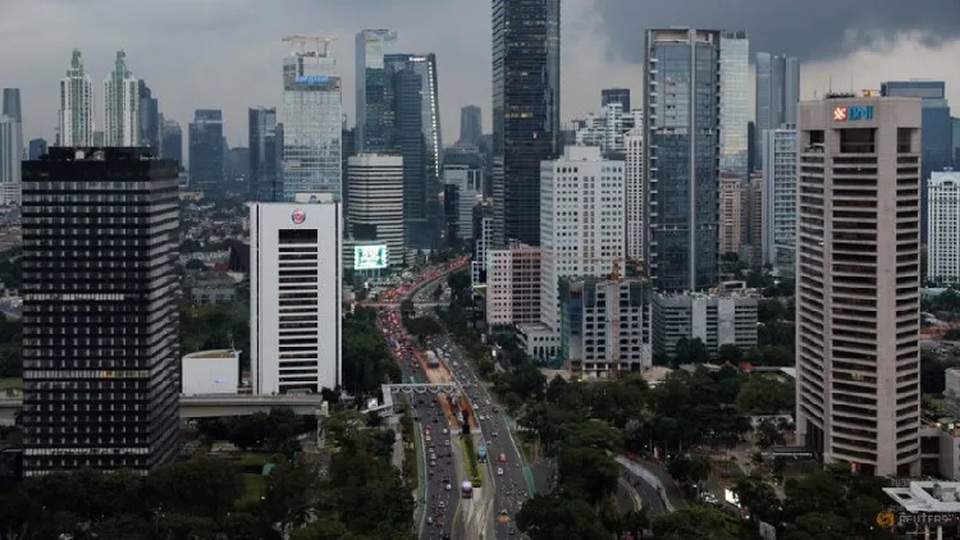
(615, 95)
(682, 157)
(171, 141)
(266, 148)
(471, 125)
(100, 328)
(778, 97)
(149, 118)
(36, 148)
(207, 151)
(410, 144)
(373, 101)
(936, 134)
(11, 104)
(526, 112)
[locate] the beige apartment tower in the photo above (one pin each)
(858, 281)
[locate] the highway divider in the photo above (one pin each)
(470, 460)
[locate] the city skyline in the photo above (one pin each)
(209, 80)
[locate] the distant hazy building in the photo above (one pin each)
(149, 118)
(615, 95)
(943, 224)
(858, 283)
(780, 198)
(207, 151)
(734, 110)
(682, 150)
(526, 112)
(100, 245)
(75, 118)
(513, 286)
(11, 155)
(608, 129)
(266, 146)
(37, 147)
(171, 141)
(778, 96)
(374, 100)
(312, 118)
(955, 127)
(11, 104)
(295, 296)
(471, 125)
(731, 213)
(376, 202)
(716, 319)
(121, 105)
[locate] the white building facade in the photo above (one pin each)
(608, 128)
(581, 221)
(121, 106)
(635, 204)
(483, 240)
(205, 373)
(467, 183)
(312, 119)
(295, 296)
(779, 222)
(943, 226)
(375, 192)
(75, 119)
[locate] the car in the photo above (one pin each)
(446, 442)
(499, 471)
(429, 520)
(441, 505)
(448, 487)
(504, 512)
(446, 431)
(428, 438)
(433, 463)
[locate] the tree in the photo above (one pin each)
(729, 353)
(291, 491)
(325, 529)
(214, 487)
(763, 395)
(758, 497)
(697, 523)
(587, 473)
(769, 434)
(367, 362)
(557, 516)
(690, 351)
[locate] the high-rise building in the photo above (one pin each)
(471, 125)
(526, 112)
(780, 199)
(11, 156)
(858, 282)
(75, 122)
(734, 110)
(751, 209)
(608, 129)
(171, 141)
(955, 127)
(100, 317)
(615, 95)
(513, 286)
(149, 118)
(943, 224)
(312, 118)
(937, 131)
(11, 104)
(463, 187)
(36, 148)
(581, 221)
(376, 202)
(348, 139)
(121, 105)
(717, 318)
(778, 95)
(731, 213)
(682, 153)
(374, 100)
(266, 146)
(207, 151)
(634, 209)
(295, 297)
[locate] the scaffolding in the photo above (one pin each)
(313, 46)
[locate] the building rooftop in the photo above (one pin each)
(927, 496)
(213, 354)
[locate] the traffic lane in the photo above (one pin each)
(648, 494)
(441, 473)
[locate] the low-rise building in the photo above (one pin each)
(723, 316)
(212, 288)
(210, 372)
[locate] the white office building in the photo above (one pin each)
(465, 185)
(483, 241)
(779, 207)
(312, 118)
(121, 105)
(581, 222)
(205, 373)
(375, 192)
(608, 128)
(943, 226)
(75, 122)
(11, 154)
(633, 180)
(295, 296)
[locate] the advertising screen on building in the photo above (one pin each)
(370, 257)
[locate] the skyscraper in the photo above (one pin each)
(858, 282)
(731, 213)
(376, 202)
(734, 110)
(149, 118)
(207, 151)
(681, 148)
(75, 125)
(778, 94)
(943, 248)
(634, 209)
(121, 105)
(312, 118)
(471, 125)
(615, 95)
(171, 141)
(780, 199)
(937, 131)
(526, 112)
(11, 155)
(101, 345)
(11, 104)
(266, 146)
(374, 100)
(37, 148)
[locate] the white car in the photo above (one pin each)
(499, 471)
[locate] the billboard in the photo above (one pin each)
(370, 257)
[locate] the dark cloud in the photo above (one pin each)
(809, 29)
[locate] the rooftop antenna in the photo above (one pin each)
(230, 340)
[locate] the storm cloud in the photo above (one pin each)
(809, 29)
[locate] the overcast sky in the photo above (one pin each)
(228, 53)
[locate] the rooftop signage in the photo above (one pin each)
(852, 113)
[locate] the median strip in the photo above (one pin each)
(470, 459)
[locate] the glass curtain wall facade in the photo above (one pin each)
(207, 151)
(100, 317)
(312, 119)
(373, 99)
(734, 109)
(778, 96)
(526, 112)
(681, 157)
(265, 143)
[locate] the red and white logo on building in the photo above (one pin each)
(298, 216)
(840, 114)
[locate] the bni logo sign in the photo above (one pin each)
(298, 216)
(852, 113)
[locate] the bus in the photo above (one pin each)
(482, 453)
(466, 489)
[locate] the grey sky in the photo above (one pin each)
(228, 53)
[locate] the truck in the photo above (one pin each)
(432, 361)
(482, 453)
(466, 489)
